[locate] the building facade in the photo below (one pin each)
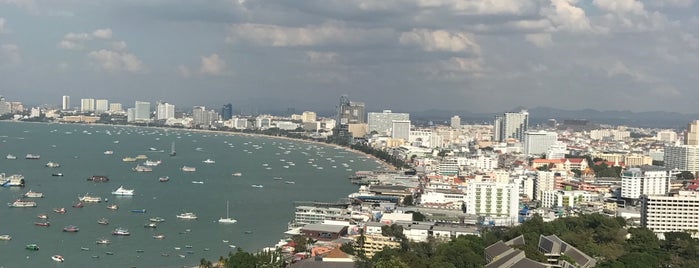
(101, 105)
(671, 213)
(538, 142)
(87, 105)
(382, 122)
(496, 200)
(511, 126)
(645, 180)
(682, 157)
(142, 111)
(165, 111)
(65, 104)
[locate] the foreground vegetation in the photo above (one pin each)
(608, 240)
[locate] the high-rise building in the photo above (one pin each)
(5, 107)
(538, 142)
(645, 180)
(350, 112)
(682, 157)
(227, 112)
(131, 115)
(165, 111)
(691, 135)
(115, 107)
(308, 117)
(455, 122)
(66, 103)
(401, 129)
(494, 200)
(382, 122)
(674, 212)
(200, 116)
(511, 125)
(142, 111)
(101, 106)
(87, 105)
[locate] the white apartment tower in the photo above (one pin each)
(308, 117)
(87, 105)
(165, 111)
(115, 107)
(401, 129)
(682, 157)
(142, 111)
(382, 122)
(538, 142)
(645, 180)
(455, 122)
(101, 105)
(691, 135)
(492, 199)
(511, 125)
(66, 103)
(671, 213)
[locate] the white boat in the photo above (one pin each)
(32, 156)
(140, 168)
(32, 194)
(257, 186)
(159, 236)
(5, 237)
(198, 182)
(237, 174)
(22, 204)
(90, 199)
(187, 216)
(121, 231)
(123, 191)
(103, 241)
(10, 157)
(52, 165)
(110, 152)
(57, 258)
(141, 157)
(128, 159)
(209, 161)
(227, 219)
(189, 169)
(150, 163)
(289, 182)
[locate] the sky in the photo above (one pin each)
(484, 56)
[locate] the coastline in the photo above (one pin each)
(385, 164)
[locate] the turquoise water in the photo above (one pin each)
(319, 173)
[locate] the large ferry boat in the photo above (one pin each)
(13, 180)
(122, 191)
(187, 216)
(90, 199)
(19, 203)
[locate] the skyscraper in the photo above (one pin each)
(165, 111)
(691, 135)
(101, 106)
(401, 129)
(227, 112)
(538, 142)
(66, 103)
(455, 122)
(382, 122)
(87, 105)
(350, 112)
(142, 111)
(511, 125)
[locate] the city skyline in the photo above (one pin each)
(407, 56)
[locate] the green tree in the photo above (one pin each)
(685, 175)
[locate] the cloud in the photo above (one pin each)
(2, 25)
(184, 71)
(479, 7)
(540, 39)
(115, 61)
(440, 40)
(321, 57)
(28, 4)
(103, 33)
(10, 53)
(565, 16)
(212, 65)
(119, 45)
(620, 6)
(313, 35)
(75, 41)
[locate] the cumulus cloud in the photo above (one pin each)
(564, 15)
(115, 61)
(75, 41)
(119, 45)
(480, 7)
(212, 65)
(620, 6)
(440, 40)
(540, 39)
(321, 57)
(314, 35)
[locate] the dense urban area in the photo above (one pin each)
(566, 193)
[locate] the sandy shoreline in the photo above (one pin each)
(385, 165)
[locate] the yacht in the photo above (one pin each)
(10, 157)
(188, 169)
(187, 216)
(237, 174)
(32, 156)
(71, 229)
(32, 194)
(5, 237)
(113, 207)
(110, 152)
(156, 219)
(121, 231)
(52, 165)
(57, 258)
(150, 163)
(103, 221)
(90, 199)
(19, 203)
(209, 161)
(123, 191)
(227, 219)
(257, 186)
(103, 241)
(141, 157)
(98, 178)
(164, 179)
(140, 168)
(128, 159)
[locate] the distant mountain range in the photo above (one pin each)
(539, 115)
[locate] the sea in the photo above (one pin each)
(287, 170)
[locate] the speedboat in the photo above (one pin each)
(209, 161)
(189, 169)
(32, 194)
(52, 164)
(198, 182)
(42, 224)
(150, 163)
(187, 216)
(143, 210)
(237, 174)
(122, 191)
(156, 219)
(103, 241)
(10, 157)
(150, 225)
(257, 186)
(5, 237)
(33, 247)
(57, 258)
(129, 159)
(109, 152)
(79, 204)
(164, 179)
(42, 216)
(32, 156)
(159, 236)
(59, 210)
(98, 178)
(113, 207)
(140, 168)
(71, 229)
(121, 231)
(57, 174)
(103, 221)
(289, 182)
